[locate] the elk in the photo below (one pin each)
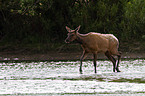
(96, 43)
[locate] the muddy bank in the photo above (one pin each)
(61, 56)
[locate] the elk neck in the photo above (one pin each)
(79, 38)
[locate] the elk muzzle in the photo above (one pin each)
(67, 40)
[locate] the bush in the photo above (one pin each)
(43, 21)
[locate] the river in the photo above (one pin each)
(63, 78)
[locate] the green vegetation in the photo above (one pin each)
(40, 24)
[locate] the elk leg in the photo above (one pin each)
(82, 58)
(117, 63)
(111, 58)
(95, 57)
(119, 58)
(114, 63)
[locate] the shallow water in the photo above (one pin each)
(63, 78)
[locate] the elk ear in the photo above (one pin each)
(68, 29)
(78, 28)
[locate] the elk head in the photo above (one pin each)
(72, 34)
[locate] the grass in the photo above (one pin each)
(135, 80)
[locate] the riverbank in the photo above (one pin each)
(60, 56)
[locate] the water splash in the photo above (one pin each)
(64, 78)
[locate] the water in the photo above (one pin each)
(63, 78)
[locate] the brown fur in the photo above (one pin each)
(95, 43)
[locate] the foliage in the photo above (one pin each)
(43, 21)
(134, 19)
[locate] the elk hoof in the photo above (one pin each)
(81, 72)
(95, 72)
(118, 71)
(113, 69)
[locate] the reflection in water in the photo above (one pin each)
(64, 78)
